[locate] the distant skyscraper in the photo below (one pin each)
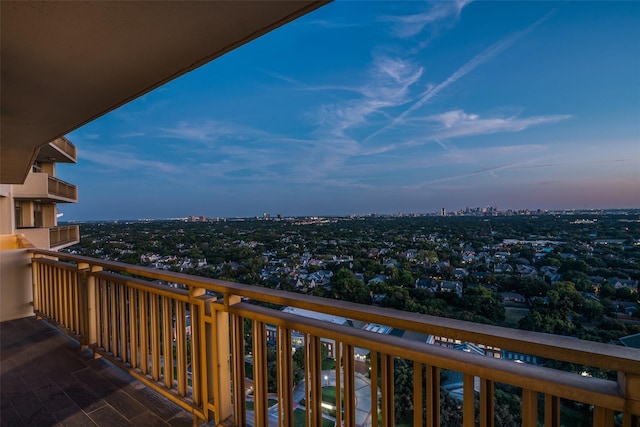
(266, 216)
(443, 212)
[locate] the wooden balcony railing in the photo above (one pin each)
(59, 188)
(65, 146)
(63, 234)
(40, 185)
(189, 342)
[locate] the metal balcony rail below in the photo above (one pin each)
(190, 346)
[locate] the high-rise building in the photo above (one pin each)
(31, 210)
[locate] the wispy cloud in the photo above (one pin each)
(484, 171)
(530, 164)
(131, 135)
(484, 56)
(334, 23)
(457, 123)
(125, 160)
(208, 131)
(411, 25)
(387, 85)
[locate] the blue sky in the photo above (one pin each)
(384, 107)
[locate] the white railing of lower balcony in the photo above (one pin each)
(195, 348)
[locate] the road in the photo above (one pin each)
(362, 397)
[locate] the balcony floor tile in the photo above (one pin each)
(46, 379)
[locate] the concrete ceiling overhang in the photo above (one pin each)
(66, 63)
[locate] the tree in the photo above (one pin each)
(406, 279)
(346, 287)
(450, 410)
(403, 377)
(573, 265)
(527, 286)
(625, 294)
(592, 309)
(564, 298)
(397, 298)
(607, 291)
(483, 302)
(555, 316)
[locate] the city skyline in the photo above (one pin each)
(384, 107)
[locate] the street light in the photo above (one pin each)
(326, 380)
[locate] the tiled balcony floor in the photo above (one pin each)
(46, 379)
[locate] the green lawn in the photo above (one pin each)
(329, 395)
(513, 315)
(299, 419)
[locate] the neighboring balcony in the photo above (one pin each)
(63, 235)
(54, 238)
(42, 186)
(198, 341)
(60, 150)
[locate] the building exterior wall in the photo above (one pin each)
(6, 213)
(15, 276)
(28, 213)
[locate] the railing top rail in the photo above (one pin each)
(64, 144)
(567, 385)
(153, 288)
(567, 349)
(64, 227)
(59, 181)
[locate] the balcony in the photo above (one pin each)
(54, 238)
(63, 236)
(188, 339)
(42, 186)
(60, 150)
(47, 379)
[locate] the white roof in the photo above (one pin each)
(315, 315)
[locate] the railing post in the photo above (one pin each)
(36, 286)
(260, 383)
(216, 350)
(433, 396)
(373, 369)
(313, 354)
(418, 376)
(239, 403)
(551, 411)
(529, 408)
(223, 369)
(387, 386)
(487, 391)
(630, 386)
(603, 417)
(349, 384)
(285, 380)
(87, 300)
(469, 401)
